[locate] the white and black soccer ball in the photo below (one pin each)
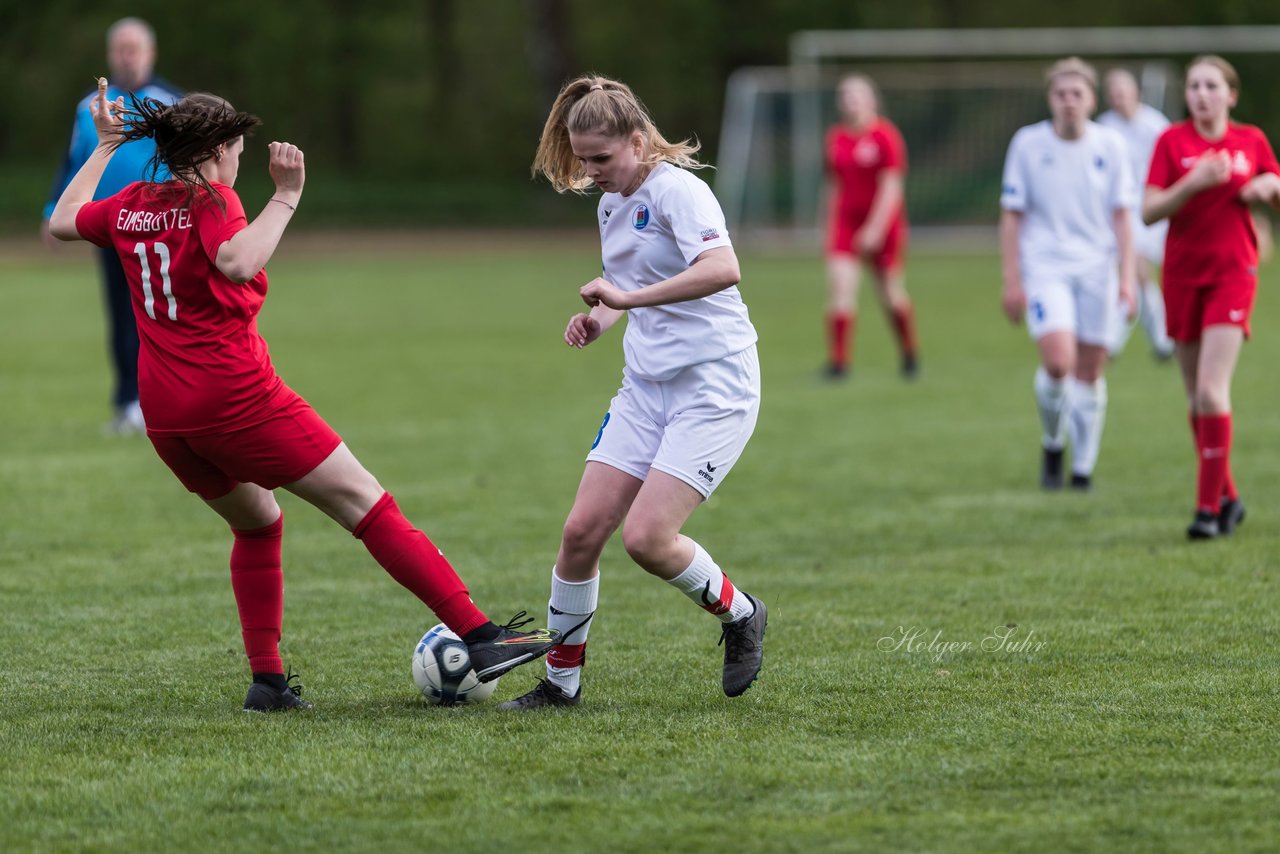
(442, 670)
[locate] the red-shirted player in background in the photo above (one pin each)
(216, 411)
(1205, 172)
(866, 221)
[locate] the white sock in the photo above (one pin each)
(1151, 316)
(1088, 414)
(1052, 400)
(710, 588)
(572, 605)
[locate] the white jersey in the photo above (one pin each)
(1140, 134)
(652, 235)
(1067, 192)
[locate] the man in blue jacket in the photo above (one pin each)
(131, 56)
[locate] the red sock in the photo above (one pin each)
(904, 323)
(258, 583)
(840, 327)
(1215, 451)
(1228, 482)
(412, 559)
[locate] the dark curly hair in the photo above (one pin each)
(187, 134)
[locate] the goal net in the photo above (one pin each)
(956, 118)
(957, 96)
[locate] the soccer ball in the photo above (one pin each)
(442, 670)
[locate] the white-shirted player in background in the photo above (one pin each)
(690, 385)
(1068, 261)
(1141, 125)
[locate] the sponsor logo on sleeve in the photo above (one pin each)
(710, 234)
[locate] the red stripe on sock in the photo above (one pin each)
(568, 655)
(724, 603)
(409, 556)
(257, 580)
(726, 596)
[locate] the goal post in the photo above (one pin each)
(957, 96)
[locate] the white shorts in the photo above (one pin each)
(1148, 240)
(1082, 303)
(693, 426)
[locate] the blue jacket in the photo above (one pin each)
(130, 160)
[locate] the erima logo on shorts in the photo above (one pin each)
(705, 473)
(642, 217)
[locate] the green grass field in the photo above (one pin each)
(1141, 713)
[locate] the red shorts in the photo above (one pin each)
(1189, 309)
(842, 239)
(280, 450)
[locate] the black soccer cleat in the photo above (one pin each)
(834, 371)
(510, 648)
(1230, 515)
(1051, 469)
(910, 367)
(545, 694)
(1204, 526)
(743, 641)
(265, 697)
(1081, 482)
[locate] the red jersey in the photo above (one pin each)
(202, 367)
(855, 160)
(1211, 239)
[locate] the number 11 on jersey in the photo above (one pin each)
(162, 252)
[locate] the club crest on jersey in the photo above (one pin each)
(867, 153)
(642, 217)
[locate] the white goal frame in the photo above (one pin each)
(816, 54)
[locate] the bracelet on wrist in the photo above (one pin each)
(283, 202)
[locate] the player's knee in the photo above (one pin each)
(1211, 401)
(583, 534)
(1088, 374)
(1057, 369)
(646, 543)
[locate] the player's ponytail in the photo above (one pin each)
(594, 104)
(187, 134)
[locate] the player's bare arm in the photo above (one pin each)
(1210, 170)
(106, 121)
(887, 202)
(1262, 189)
(1012, 298)
(711, 272)
(585, 328)
(241, 257)
(1128, 264)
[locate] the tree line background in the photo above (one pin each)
(427, 112)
